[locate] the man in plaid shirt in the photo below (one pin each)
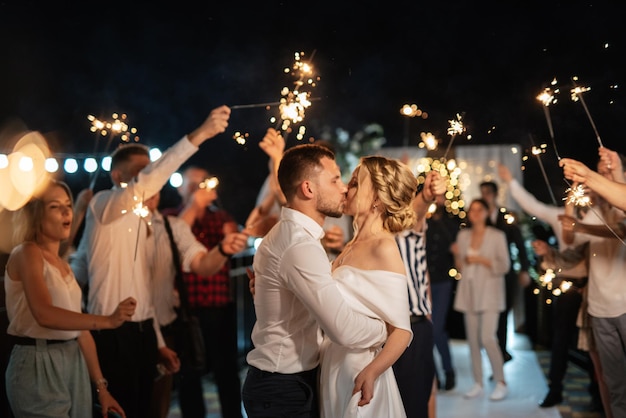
(211, 300)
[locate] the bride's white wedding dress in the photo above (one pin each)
(376, 293)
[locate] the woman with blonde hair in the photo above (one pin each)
(54, 354)
(372, 276)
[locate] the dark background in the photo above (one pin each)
(167, 65)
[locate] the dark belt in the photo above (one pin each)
(139, 326)
(169, 329)
(418, 318)
(307, 374)
(14, 339)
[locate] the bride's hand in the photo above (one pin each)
(364, 383)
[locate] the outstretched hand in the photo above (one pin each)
(434, 185)
(124, 312)
(216, 123)
(170, 359)
(504, 173)
(334, 239)
(575, 170)
(273, 144)
(258, 224)
(234, 242)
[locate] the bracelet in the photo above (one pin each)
(424, 198)
(101, 383)
(221, 250)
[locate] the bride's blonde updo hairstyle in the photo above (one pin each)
(395, 186)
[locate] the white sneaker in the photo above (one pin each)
(475, 391)
(499, 392)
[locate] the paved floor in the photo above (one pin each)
(525, 376)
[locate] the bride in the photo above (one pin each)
(371, 274)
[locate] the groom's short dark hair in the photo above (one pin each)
(298, 164)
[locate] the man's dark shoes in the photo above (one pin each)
(507, 356)
(450, 381)
(551, 399)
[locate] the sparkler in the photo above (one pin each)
(456, 128)
(110, 129)
(576, 195)
(209, 183)
(537, 151)
(141, 211)
(547, 281)
(265, 105)
(254, 105)
(428, 141)
(578, 96)
(293, 103)
(240, 137)
(547, 98)
(547, 277)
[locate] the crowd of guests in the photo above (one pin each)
(93, 327)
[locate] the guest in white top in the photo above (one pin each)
(194, 257)
(54, 354)
(603, 229)
(566, 306)
(117, 251)
(481, 255)
(296, 297)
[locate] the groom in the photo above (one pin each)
(295, 296)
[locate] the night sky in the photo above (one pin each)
(167, 65)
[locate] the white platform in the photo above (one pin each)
(525, 380)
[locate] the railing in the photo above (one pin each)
(241, 293)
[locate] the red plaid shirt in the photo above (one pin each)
(209, 291)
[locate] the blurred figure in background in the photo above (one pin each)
(513, 279)
(567, 305)
(482, 257)
(193, 257)
(210, 297)
(441, 232)
(415, 369)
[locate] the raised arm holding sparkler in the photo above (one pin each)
(115, 230)
(612, 188)
(265, 213)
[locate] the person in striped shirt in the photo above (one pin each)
(415, 369)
